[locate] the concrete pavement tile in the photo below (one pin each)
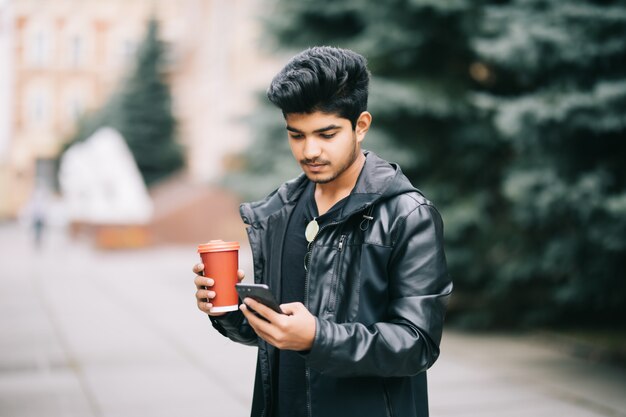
(164, 388)
(579, 381)
(527, 362)
(483, 396)
(541, 409)
(30, 349)
(180, 410)
(36, 394)
(449, 371)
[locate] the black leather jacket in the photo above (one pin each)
(378, 286)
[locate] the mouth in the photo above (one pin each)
(315, 167)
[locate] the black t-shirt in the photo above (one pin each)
(291, 393)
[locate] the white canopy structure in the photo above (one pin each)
(101, 183)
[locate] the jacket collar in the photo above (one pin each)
(377, 179)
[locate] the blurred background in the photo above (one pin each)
(131, 130)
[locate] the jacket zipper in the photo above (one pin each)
(335, 283)
(307, 371)
(341, 239)
(306, 304)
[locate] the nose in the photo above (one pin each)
(311, 150)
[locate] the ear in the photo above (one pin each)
(363, 124)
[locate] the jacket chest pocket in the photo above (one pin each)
(335, 278)
(342, 296)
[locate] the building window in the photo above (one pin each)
(38, 108)
(39, 47)
(77, 51)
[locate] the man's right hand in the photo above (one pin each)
(204, 292)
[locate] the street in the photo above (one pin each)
(117, 334)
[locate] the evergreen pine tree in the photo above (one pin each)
(142, 112)
(559, 98)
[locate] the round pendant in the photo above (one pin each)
(311, 230)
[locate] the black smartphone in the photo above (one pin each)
(260, 293)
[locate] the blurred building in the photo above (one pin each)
(61, 58)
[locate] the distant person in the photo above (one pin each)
(38, 216)
(353, 252)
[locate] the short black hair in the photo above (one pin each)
(323, 78)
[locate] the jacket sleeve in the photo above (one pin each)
(407, 342)
(235, 327)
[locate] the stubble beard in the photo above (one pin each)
(341, 170)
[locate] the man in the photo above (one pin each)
(352, 250)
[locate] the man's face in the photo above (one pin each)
(325, 145)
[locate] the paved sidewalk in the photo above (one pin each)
(485, 375)
(117, 334)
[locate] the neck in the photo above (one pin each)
(341, 186)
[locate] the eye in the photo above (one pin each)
(296, 136)
(328, 135)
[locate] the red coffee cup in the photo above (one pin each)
(221, 261)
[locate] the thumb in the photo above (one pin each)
(240, 275)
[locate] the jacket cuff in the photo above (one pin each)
(226, 322)
(316, 357)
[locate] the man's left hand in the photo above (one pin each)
(294, 330)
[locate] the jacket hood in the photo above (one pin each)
(378, 180)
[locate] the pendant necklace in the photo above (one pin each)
(311, 230)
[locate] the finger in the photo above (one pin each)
(269, 314)
(247, 314)
(252, 318)
(240, 275)
(260, 326)
(198, 268)
(202, 282)
(204, 295)
(205, 307)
